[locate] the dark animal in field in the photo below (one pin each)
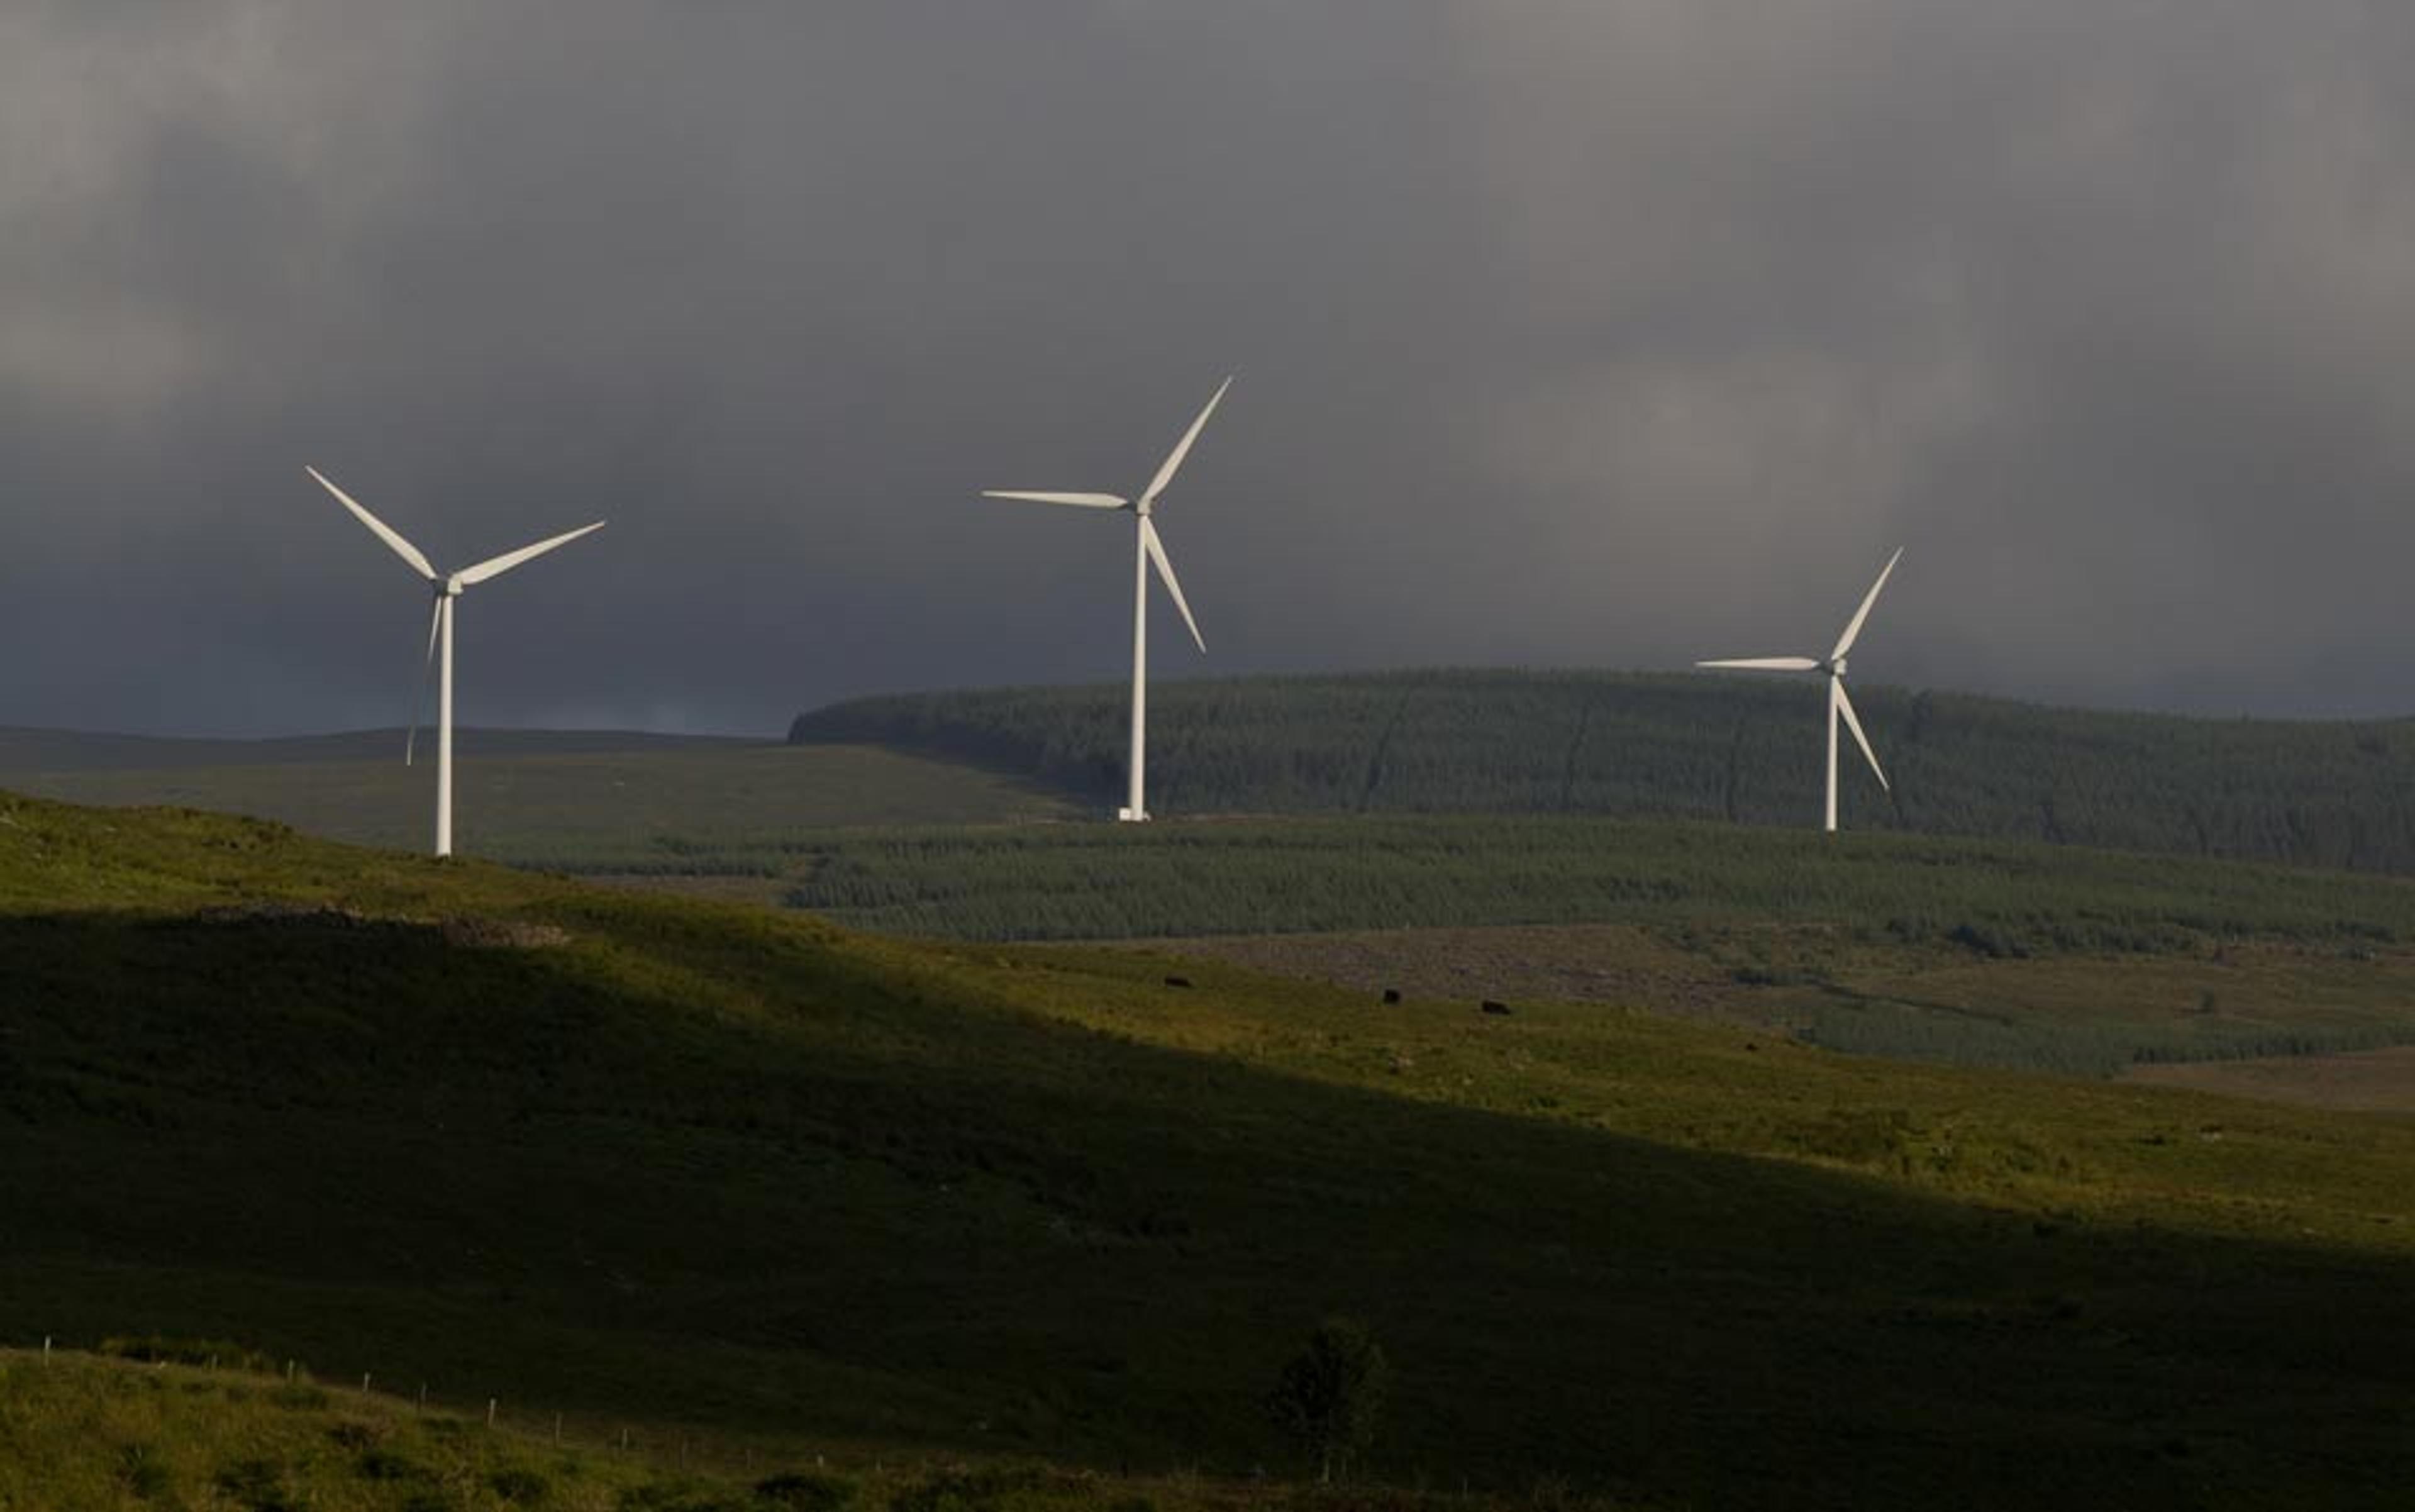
(1177, 982)
(1392, 995)
(1501, 1009)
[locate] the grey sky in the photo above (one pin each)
(1579, 332)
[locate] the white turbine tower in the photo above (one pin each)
(447, 587)
(1149, 551)
(1840, 704)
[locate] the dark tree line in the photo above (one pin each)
(2336, 794)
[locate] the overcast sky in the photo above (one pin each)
(1605, 333)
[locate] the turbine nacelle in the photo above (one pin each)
(1841, 703)
(1150, 554)
(444, 587)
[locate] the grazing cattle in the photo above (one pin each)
(1177, 982)
(1501, 1009)
(1392, 995)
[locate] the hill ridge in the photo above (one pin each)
(27, 748)
(2336, 793)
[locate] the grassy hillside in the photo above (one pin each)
(84, 1434)
(1985, 952)
(2339, 794)
(620, 1155)
(138, 1427)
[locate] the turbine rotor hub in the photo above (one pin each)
(449, 588)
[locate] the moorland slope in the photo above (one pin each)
(751, 1172)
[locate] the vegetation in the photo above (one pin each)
(2337, 795)
(1330, 1394)
(1994, 953)
(2000, 899)
(24, 750)
(652, 807)
(80, 1434)
(642, 1158)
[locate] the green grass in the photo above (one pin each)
(2000, 953)
(639, 1158)
(659, 808)
(80, 1434)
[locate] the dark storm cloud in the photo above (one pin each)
(1568, 331)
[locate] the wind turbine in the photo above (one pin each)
(1149, 551)
(1840, 704)
(447, 587)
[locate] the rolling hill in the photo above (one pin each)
(24, 749)
(2337, 795)
(638, 1156)
(598, 799)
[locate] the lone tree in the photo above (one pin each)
(1328, 1396)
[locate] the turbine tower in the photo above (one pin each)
(447, 587)
(1147, 551)
(1841, 706)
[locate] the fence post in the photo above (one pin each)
(490, 1412)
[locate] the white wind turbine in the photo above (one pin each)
(447, 587)
(1840, 704)
(1147, 551)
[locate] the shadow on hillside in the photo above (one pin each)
(720, 1168)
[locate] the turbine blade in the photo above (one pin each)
(1845, 641)
(1845, 707)
(385, 532)
(1080, 500)
(497, 566)
(1182, 448)
(1769, 663)
(427, 670)
(1165, 570)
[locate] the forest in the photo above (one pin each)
(2337, 794)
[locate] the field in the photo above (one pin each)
(755, 1178)
(2002, 953)
(540, 797)
(2363, 1080)
(143, 1427)
(1995, 953)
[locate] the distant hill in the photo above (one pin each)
(586, 799)
(59, 750)
(2337, 794)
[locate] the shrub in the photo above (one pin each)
(806, 1492)
(158, 1348)
(142, 1474)
(258, 1486)
(519, 1485)
(1328, 1396)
